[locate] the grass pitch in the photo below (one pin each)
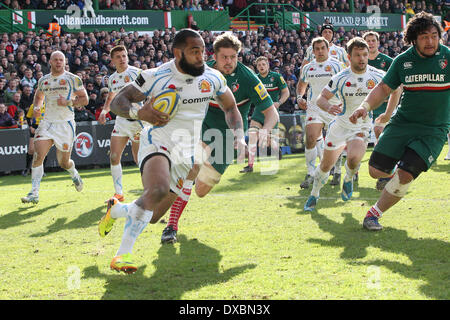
(248, 239)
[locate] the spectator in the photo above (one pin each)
(28, 79)
(5, 118)
(2, 89)
(26, 99)
(118, 5)
(10, 90)
(14, 107)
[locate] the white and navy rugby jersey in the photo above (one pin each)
(334, 51)
(351, 89)
(317, 75)
(119, 80)
(52, 87)
(184, 129)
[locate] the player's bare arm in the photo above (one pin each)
(106, 108)
(284, 95)
(393, 101)
(373, 101)
(122, 106)
(301, 89)
(37, 102)
(324, 104)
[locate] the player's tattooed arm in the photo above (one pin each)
(122, 102)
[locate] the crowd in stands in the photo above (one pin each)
(235, 6)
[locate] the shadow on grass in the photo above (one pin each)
(445, 167)
(85, 220)
(19, 217)
(429, 257)
(196, 265)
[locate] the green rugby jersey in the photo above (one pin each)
(382, 62)
(274, 83)
(247, 89)
(426, 88)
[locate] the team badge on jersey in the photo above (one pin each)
(62, 82)
(328, 68)
(235, 87)
(383, 64)
(443, 63)
(370, 84)
(333, 52)
(204, 86)
(126, 79)
(261, 90)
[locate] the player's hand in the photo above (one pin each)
(263, 136)
(382, 118)
(32, 130)
(360, 112)
(102, 117)
(335, 109)
(302, 103)
(62, 102)
(240, 146)
(155, 117)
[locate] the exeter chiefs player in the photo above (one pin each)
(124, 129)
(416, 134)
(351, 85)
(62, 91)
(339, 54)
(166, 151)
(317, 74)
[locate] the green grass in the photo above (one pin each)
(248, 239)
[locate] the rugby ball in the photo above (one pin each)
(167, 101)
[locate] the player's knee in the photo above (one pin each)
(114, 158)
(399, 184)
(375, 173)
(155, 194)
(207, 178)
(353, 161)
(311, 141)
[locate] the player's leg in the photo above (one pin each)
(68, 164)
(156, 182)
(41, 149)
(313, 131)
(177, 207)
(356, 149)
(321, 176)
(118, 144)
(29, 156)
(410, 166)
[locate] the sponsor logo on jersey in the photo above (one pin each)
(370, 84)
(348, 84)
(282, 80)
(407, 65)
(196, 100)
(204, 86)
(261, 90)
(443, 63)
(84, 144)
